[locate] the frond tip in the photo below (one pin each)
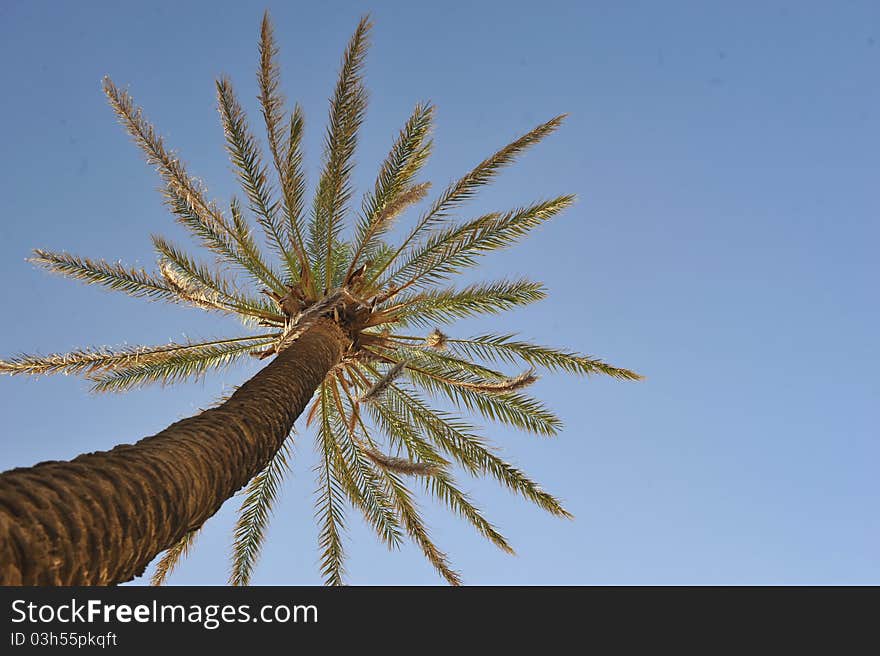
(253, 517)
(436, 340)
(173, 556)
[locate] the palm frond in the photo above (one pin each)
(440, 483)
(506, 348)
(466, 187)
(401, 465)
(334, 186)
(90, 362)
(286, 154)
(362, 482)
(245, 156)
(415, 527)
(249, 250)
(330, 506)
(184, 194)
(220, 237)
(134, 282)
(458, 439)
(446, 305)
(494, 381)
(271, 100)
(422, 353)
(403, 435)
(510, 408)
(452, 249)
(293, 184)
(206, 284)
(173, 556)
(378, 388)
(426, 458)
(443, 487)
(393, 190)
(254, 514)
(191, 362)
(169, 167)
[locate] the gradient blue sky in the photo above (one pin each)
(725, 245)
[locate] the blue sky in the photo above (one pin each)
(724, 244)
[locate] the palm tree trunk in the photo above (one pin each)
(100, 518)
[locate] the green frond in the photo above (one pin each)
(400, 433)
(484, 379)
(339, 259)
(362, 482)
(419, 450)
(206, 284)
(393, 190)
(254, 514)
(334, 186)
(184, 195)
(293, 185)
(424, 355)
(192, 361)
(446, 305)
(439, 483)
(217, 237)
(458, 439)
(173, 556)
(505, 348)
(169, 167)
(245, 156)
(511, 408)
(452, 249)
(400, 423)
(90, 362)
(466, 187)
(417, 531)
(134, 282)
(380, 258)
(443, 487)
(330, 506)
(271, 100)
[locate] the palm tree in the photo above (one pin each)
(340, 316)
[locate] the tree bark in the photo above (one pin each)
(100, 518)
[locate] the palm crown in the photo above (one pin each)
(374, 421)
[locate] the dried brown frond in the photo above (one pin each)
(400, 465)
(275, 296)
(436, 340)
(199, 297)
(509, 385)
(383, 383)
(396, 207)
(264, 353)
(313, 411)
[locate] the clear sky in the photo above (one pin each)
(725, 245)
